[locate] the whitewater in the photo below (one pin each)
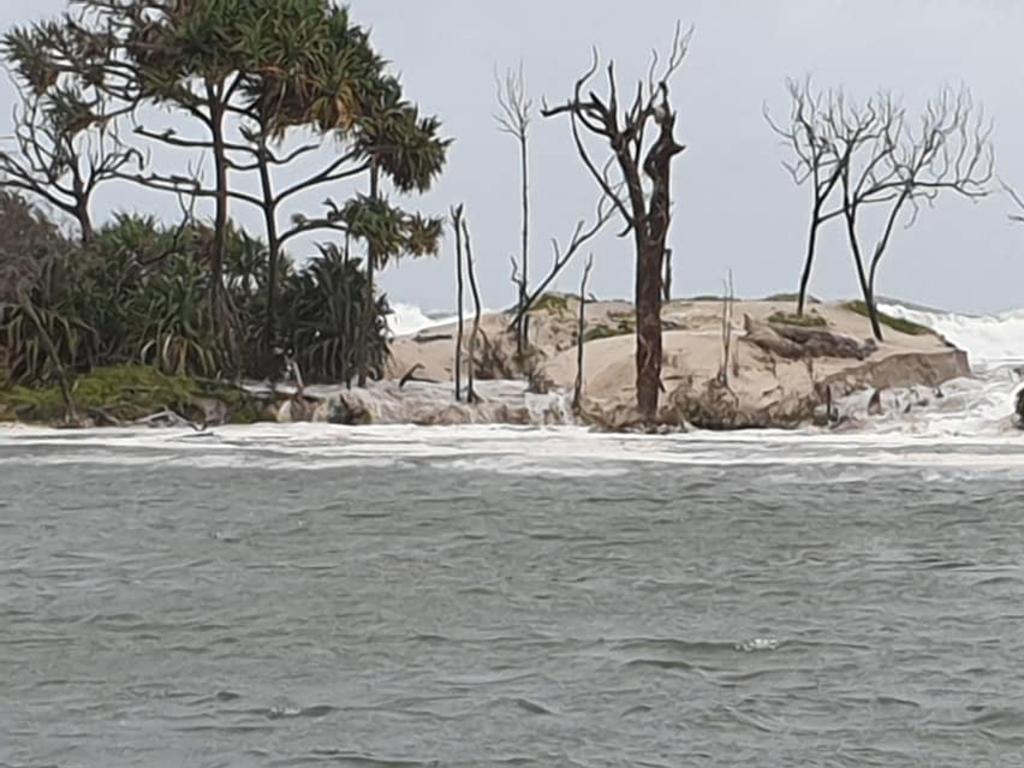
(980, 405)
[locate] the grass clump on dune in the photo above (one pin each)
(125, 393)
(809, 320)
(897, 324)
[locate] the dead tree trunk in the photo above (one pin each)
(471, 396)
(644, 170)
(456, 215)
(513, 118)
(727, 314)
(581, 332)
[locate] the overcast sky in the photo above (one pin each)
(735, 207)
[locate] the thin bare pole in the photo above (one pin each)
(581, 335)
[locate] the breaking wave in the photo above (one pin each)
(979, 405)
(991, 341)
(408, 319)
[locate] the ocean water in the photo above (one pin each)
(316, 595)
(312, 595)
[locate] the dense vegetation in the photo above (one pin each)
(136, 294)
(261, 85)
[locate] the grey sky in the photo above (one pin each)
(735, 206)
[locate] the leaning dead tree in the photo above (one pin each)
(644, 166)
(563, 255)
(947, 150)
(513, 118)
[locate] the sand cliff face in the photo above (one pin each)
(775, 374)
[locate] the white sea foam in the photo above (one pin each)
(565, 452)
(980, 405)
(407, 319)
(991, 341)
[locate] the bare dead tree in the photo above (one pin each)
(728, 301)
(456, 217)
(1018, 201)
(65, 145)
(581, 332)
(471, 396)
(562, 256)
(904, 168)
(822, 135)
(513, 118)
(644, 168)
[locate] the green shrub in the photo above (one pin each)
(896, 323)
(140, 293)
(790, 298)
(128, 393)
(322, 315)
(626, 326)
(809, 320)
(554, 303)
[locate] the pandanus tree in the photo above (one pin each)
(253, 74)
(389, 234)
(248, 68)
(405, 149)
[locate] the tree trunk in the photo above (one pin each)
(805, 277)
(523, 335)
(471, 396)
(346, 371)
(220, 225)
(648, 326)
(273, 253)
(862, 278)
(88, 232)
(368, 307)
(459, 298)
(581, 330)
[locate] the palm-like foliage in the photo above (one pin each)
(137, 294)
(323, 307)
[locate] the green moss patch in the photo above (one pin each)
(790, 297)
(810, 320)
(125, 394)
(554, 303)
(897, 324)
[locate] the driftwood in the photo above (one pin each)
(798, 343)
(410, 375)
(169, 418)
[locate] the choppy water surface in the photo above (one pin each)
(321, 596)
